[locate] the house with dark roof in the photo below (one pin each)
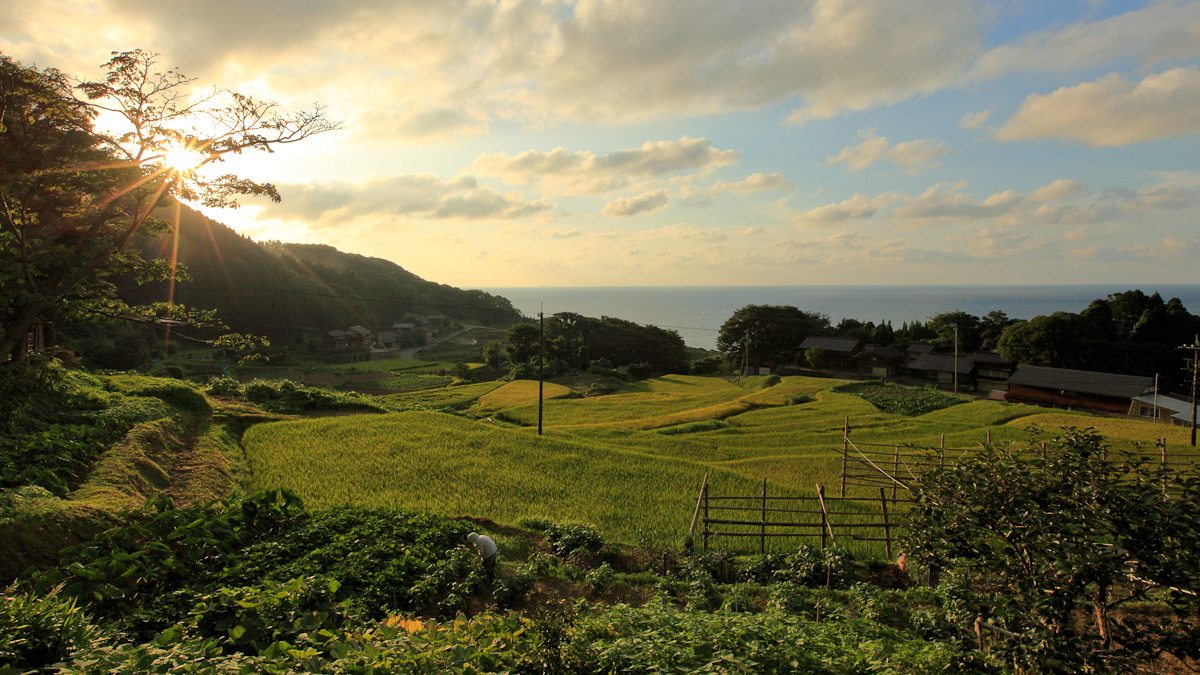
(918, 348)
(881, 362)
(1077, 389)
(334, 339)
(840, 353)
(992, 371)
(358, 336)
(943, 369)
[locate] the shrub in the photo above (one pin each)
(640, 371)
(601, 578)
(251, 618)
(38, 630)
(513, 589)
(807, 566)
(225, 386)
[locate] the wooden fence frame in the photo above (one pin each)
(794, 525)
(870, 467)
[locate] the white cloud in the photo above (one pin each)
(642, 204)
(755, 182)
(426, 196)
(974, 120)
(1162, 31)
(1060, 190)
(1112, 111)
(583, 173)
(910, 154)
(857, 207)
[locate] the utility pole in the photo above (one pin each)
(956, 359)
(541, 364)
(1195, 368)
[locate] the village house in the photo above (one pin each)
(1161, 408)
(841, 354)
(1077, 389)
(881, 362)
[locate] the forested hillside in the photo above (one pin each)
(282, 290)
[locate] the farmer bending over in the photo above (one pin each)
(487, 550)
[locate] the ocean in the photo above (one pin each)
(697, 312)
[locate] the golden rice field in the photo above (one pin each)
(616, 461)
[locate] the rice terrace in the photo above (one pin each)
(629, 462)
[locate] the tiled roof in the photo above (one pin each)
(942, 363)
(1082, 381)
(832, 344)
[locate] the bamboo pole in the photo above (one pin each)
(895, 471)
(887, 529)
(762, 540)
(700, 498)
(825, 517)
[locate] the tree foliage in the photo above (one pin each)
(73, 197)
(1068, 531)
(769, 332)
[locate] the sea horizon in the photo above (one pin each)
(697, 312)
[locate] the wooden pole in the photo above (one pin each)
(762, 535)
(825, 518)
(845, 451)
(699, 499)
(704, 496)
(887, 528)
(942, 453)
(895, 471)
(541, 366)
(989, 436)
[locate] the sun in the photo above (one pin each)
(183, 159)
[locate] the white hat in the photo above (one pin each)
(473, 537)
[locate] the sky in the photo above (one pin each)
(502, 143)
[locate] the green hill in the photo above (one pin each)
(283, 291)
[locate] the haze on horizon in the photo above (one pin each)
(628, 142)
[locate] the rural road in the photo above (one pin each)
(412, 353)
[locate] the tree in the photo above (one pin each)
(72, 198)
(522, 343)
(991, 327)
(817, 358)
(1057, 529)
(961, 325)
(769, 332)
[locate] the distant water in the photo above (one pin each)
(697, 312)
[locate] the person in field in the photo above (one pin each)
(487, 550)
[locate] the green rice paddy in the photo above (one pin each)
(600, 459)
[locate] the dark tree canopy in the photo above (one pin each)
(72, 199)
(579, 339)
(769, 332)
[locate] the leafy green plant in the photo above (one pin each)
(37, 630)
(51, 458)
(451, 582)
(601, 578)
(514, 588)
(254, 617)
(225, 386)
(893, 398)
(286, 396)
(1050, 535)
